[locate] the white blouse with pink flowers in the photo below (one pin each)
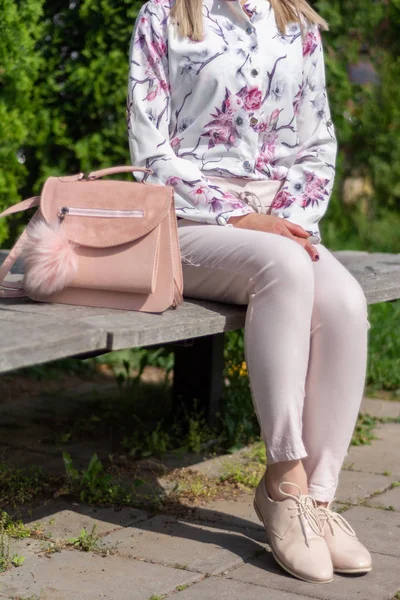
(245, 102)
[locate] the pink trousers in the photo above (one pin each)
(306, 334)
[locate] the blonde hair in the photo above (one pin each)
(188, 16)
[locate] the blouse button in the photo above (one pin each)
(239, 121)
(247, 165)
(249, 30)
(254, 72)
(221, 220)
(254, 120)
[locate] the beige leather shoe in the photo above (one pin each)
(347, 552)
(294, 534)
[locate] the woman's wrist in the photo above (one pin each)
(235, 220)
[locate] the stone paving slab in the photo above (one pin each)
(202, 548)
(382, 455)
(49, 457)
(388, 499)
(216, 466)
(378, 529)
(376, 407)
(225, 589)
(355, 486)
(68, 519)
(20, 458)
(237, 513)
(73, 575)
(380, 584)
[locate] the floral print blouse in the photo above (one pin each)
(245, 102)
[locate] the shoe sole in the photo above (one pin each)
(285, 568)
(353, 571)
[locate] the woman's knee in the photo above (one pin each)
(287, 258)
(354, 302)
(345, 303)
(285, 262)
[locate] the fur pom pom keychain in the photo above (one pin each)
(50, 259)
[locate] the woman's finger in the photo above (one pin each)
(297, 230)
(305, 243)
(309, 247)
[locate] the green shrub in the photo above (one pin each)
(20, 64)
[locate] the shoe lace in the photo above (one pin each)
(306, 509)
(329, 517)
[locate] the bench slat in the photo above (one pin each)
(378, 273)
(29, 340)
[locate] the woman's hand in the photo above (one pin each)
(278, 226)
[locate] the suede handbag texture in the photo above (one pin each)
(95, 242)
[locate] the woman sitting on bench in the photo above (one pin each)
(227, 103)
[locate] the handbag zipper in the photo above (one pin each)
(98, 212)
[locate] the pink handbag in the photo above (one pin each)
(99, 243)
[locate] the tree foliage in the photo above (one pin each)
(20, 65)
(367, 118)
(63, 83)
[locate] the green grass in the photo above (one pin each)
(96, 486)
(363, 431)
(86, 541)
(249, 470)
(384, 347)
(6, 559)
(21, 485)
(34, 597)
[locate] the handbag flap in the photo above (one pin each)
(104, 213)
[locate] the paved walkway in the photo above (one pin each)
(217, 550)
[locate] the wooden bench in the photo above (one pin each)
(33, 333)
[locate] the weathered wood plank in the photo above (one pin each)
(26, 340)
(378, 273)
(192, 319)
(128, 328)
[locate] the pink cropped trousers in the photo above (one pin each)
(305, 335)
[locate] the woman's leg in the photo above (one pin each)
(336, 372)
(274, 276)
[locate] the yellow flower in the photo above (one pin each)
(243, 370)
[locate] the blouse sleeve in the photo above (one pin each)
(304, 197)
(148, 116)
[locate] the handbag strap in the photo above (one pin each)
(112, 170)
(15, 289)
(24, 205)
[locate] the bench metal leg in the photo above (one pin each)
(198, 374)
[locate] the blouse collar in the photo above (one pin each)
(251, 11)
